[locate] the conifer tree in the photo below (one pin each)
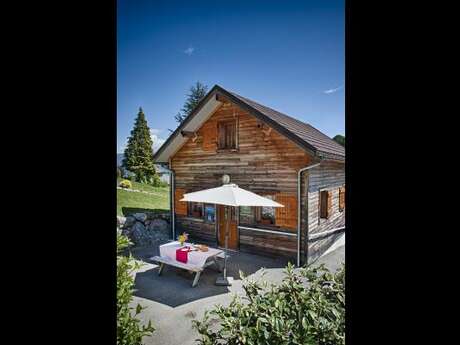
(340, 139)
(138, 155)
(197, 92)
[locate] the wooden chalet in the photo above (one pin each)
(268, 153)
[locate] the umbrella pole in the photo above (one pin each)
(223, 280)
(226, 242)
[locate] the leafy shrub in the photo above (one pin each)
(156, 181)
(129, 330)
(126, 184)
(291, 313)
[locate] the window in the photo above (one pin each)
(195, 210)
(341, 199)
(257, 215)
(209, 213)
(246, 215)
(227, 135)
(324, 204)
(265, 215)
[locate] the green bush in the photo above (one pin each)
(155, 181)
(291, 313)
(126, 184)
(129, 330)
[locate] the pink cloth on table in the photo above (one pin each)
(196, 257)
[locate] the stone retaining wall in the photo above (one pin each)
(145, 229)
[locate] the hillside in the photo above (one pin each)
(131, 202)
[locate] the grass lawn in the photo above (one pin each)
(144, 187)
(132, 202)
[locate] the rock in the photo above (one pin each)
(129, 222)
(158, 225)
(141, 217)
(151, 215)
(144, 232)
(139, 235)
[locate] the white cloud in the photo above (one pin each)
(155, 130)
(333, 90)
(157, 141)
(189, 51)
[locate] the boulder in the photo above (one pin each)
(158, 225)
(141, 217)
(151, 215)
(138, 234)
(147, 232)
(129, 222)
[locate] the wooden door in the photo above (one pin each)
(232, 227)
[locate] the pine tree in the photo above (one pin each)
(340, 139)
(138, 155)
(197, 92)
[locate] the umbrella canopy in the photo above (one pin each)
(230, 195)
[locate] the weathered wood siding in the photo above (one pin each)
(265, 162)
(268, 243)
(328, 176)
(262, 164)
(198, 229)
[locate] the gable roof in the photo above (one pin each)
(305, 135)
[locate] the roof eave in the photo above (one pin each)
(217, 90)
(330, 156)
(178, 130)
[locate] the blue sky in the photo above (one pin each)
(287, 55)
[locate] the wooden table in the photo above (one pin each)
(196, 263)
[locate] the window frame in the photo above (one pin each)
(204, 212)
(341, 195)
(323, 197)
(222, 124)
(203, 217)
(256, 215)
(190, 209)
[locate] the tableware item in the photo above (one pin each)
(182, 254)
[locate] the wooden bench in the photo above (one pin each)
(191, 268)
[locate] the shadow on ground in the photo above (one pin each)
(173, 287)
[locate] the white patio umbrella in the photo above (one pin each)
(229, 194)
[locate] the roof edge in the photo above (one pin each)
(299, 141)
(215, 90)
(186, 120)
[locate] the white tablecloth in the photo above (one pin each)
(197, 258)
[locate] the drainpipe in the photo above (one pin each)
(299, 175)
(171, 198)
(173, 216)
